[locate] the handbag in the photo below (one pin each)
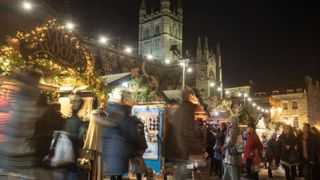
(61, 151)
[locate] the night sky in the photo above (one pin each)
(261, 40)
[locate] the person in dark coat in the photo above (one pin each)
(272, 153)
(73, 128)
(182, 139)
(218, 152)
(211, 140)
(307, 146)
(288, 154)
(45, 126)
(119, 141)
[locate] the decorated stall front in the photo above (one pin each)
(59, 54)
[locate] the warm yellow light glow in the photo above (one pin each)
(189, 70)
(167, 61)
(227, 92)
(212, 84)
(249, 99)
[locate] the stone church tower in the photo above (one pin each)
(160, 29)
(206, 70)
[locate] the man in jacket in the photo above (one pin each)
(252, 150)
(307, 149)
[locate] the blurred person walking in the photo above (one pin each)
(288, 155)
(233, 149)
(218, 149)
(272, 154)
(119, 140)
(307, 145)
(18, 152)
(182, 140)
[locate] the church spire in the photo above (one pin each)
(199, 50)
(143, 10)
(206, 48)
(180, 9)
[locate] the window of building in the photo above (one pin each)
(285, 119)
(275, 92)
(295, 104)
(295, 122)
(284, 105)
(299, 90)
(290, 91)
(157, 30)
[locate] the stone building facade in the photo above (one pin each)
(298, 102)
(160, 29)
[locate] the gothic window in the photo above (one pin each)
(157, 30)
(147, 33)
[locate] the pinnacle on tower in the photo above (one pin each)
(180, 9)
(199, 50)
(206, 48)
(206, 45)
(165, 4)
(143, 10)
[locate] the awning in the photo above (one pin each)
(112, 79)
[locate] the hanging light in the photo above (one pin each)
(249, 99)
(227, 92)
(212, 84)
(254, 104)
(216, 113)
(167, 61)
(239, 94)
(219, 89)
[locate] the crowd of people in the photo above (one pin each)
(233, 152)
(40, 143)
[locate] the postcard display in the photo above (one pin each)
(152, 118)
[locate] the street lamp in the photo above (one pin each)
(149, 57)
(69, 25)
(128, 50)
(103, 40)
(27, 5)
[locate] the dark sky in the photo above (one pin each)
(261, 40)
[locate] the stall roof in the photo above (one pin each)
(113, 78)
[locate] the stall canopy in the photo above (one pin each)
(115, 79)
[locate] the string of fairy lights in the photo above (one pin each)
(245, 97)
